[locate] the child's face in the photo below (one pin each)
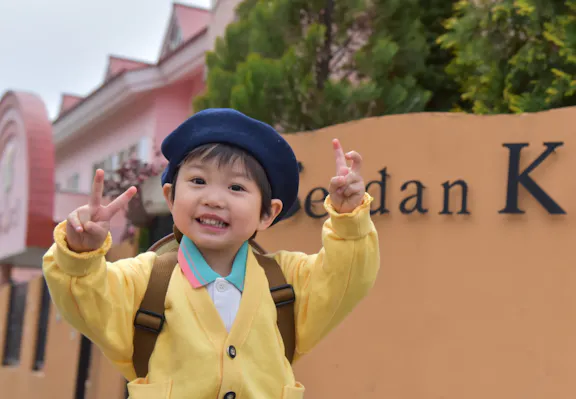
(217, 207)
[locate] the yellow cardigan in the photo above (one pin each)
(190, 359)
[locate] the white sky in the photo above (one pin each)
(51, 47)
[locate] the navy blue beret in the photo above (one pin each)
(228, 126)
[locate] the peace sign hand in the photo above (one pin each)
(88, 226)
(347, 187)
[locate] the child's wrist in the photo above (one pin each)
(349, 207)
(80, 250)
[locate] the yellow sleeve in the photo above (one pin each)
(96, 297)
(329, 284)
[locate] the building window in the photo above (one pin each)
(144, 149)
(83, 367)
(42, 328)
(73, 183)
(110, 165)
(99, 165)
(15, 324)
(139, 150)
(175, 37)
(122, 157)
(133, 152)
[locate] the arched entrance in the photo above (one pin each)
(26, 180)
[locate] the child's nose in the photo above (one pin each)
(213, 199)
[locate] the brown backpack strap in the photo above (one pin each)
(150, 319)
(284, 298)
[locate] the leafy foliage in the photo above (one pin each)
(513, 55)
(306, 64)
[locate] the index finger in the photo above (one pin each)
(120, 202)
(339, 155)
(97, 189)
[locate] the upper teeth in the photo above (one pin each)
(212, 222)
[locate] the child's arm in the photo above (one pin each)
(328, 285)
(96, 297)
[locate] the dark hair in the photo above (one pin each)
(226, 154)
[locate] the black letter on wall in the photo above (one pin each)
(296, 206)
(515, 178)
(382, 183)
(419, 193)
(464, 207)
(309, 203)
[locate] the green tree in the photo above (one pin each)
(305, 64)
(443, 87)
(513, 56)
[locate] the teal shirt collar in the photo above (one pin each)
(199, 273)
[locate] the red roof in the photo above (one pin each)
(191, 20)
(117, 65)
(68, 101)
(186, 23)
(193, 23)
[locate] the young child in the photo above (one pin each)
(229, 176)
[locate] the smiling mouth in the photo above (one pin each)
(212, 222)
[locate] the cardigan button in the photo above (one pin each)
(232, 351)
(230, 395)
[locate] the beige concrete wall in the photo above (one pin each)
(466, 306)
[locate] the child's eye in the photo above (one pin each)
(197, 180)
(236, 187)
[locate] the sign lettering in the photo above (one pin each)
(415, 201)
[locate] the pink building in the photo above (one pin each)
(46, 170)
(136, 105)
(134, 108)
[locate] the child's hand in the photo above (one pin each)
(347, 187)
(88, 226)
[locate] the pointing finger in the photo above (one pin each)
(119, 203)
(97, 190)
(339, 155)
